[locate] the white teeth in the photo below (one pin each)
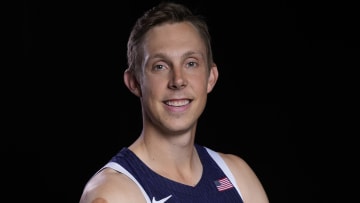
(177, 102)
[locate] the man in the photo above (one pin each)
(171, 70)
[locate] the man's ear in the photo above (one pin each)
(131, 82)
(213, 77)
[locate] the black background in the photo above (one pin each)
(72, 111)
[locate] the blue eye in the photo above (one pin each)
(159, 67)
(192, 64)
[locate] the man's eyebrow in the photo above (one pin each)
(190, 53)
(183, 56)
(158, 55)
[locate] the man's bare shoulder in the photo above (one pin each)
(248, 182)
(238, 166)
(110, 186)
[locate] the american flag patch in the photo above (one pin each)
(223, 184)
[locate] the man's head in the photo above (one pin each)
(170, 68)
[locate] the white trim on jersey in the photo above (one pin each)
(121, 169)
(217, 158)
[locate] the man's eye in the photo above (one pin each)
(192, 64)
(159, 67)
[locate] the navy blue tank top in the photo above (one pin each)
(213, 187)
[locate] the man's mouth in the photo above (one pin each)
(177, 103)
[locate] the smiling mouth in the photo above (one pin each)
(177, 103)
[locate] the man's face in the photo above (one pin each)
(175, 79)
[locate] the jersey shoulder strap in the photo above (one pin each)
(122, 170)
(221, 163)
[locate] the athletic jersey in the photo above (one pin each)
(217, 184)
